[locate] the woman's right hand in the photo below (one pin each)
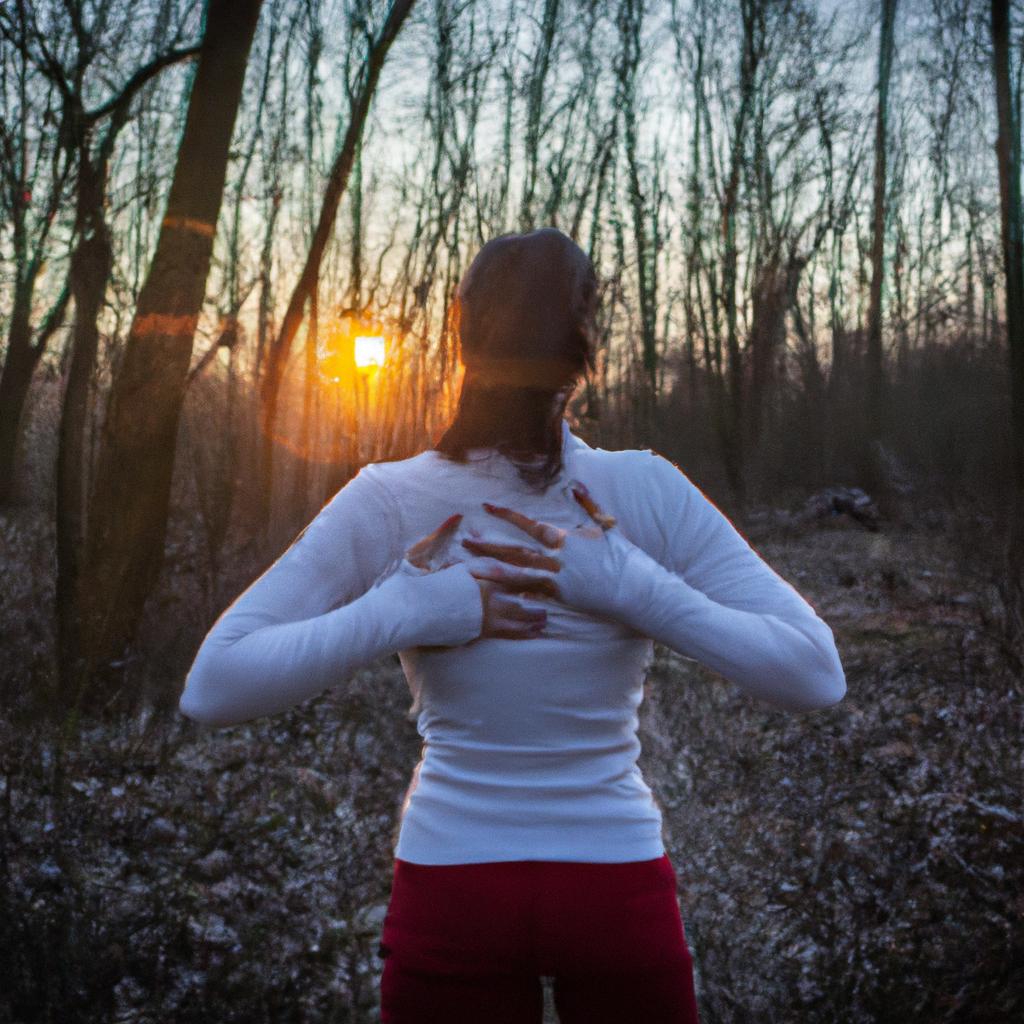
(505, 615)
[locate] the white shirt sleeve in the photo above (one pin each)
(316, 616)
(716, 601)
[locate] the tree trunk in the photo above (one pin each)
(875, 368)
(1008, 155)
(731, 409)
(22, 358)
(280, 347)
(127, 520)
(774, 294)
(695, 241)
(535, 110)
(91, 265)
(630, 19)
(14, 381)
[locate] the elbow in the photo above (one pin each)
(825, 686)
(206, 712)
(818, 683)
(199, 708)
(813, 691)
(826, 690)
(206, 703)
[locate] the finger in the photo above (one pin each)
(422, 552)
(512, 554)
(507, 609)
(509, 619)
(516, 632)
(549, 536)
(521, 583)
(511, 609)
(592, 509)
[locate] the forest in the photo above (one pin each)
(231, 236)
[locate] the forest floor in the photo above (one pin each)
(862, 864)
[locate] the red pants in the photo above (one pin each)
(469, 943)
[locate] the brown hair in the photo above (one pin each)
(525, 314)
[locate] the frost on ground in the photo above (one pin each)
(857, 865)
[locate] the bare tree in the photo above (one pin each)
(34, 176)
(360, 97)
(64, 56)
(875, 370)
(644, 197)
(1008, 155)
(798, 99)
(106, 572)
(752, 46)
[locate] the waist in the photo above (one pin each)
(578, 766)
(544, 695)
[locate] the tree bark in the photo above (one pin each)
(875, 368)
(630, 24)
(126, 526)
(90, 269)
(23, 355)
(91, 264)
(281, 346)
(773, 295)
(535, 110)
(1008, 156)
(731, 409)
(19, 179)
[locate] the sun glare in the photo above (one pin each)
(369, 352)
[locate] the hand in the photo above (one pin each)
(427, 553)
(594, 559)
(504, 617)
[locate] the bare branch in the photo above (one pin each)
(141, 77)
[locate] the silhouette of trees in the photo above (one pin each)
(110, 548)
(780, 311)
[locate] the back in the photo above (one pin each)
(530, 746)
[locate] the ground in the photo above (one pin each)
(860, 864)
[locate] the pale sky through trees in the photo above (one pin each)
(494, 117)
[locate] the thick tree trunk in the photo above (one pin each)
(1008, 155)
(91, 264)
(535, 110)
(875, 368)
(731, 408)
(630, 18)
(774, 294)
(127, 517)
(281, 346)
(22, 358)
(14, 382)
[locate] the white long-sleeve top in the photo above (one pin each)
(530, 746)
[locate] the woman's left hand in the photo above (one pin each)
(585, 574)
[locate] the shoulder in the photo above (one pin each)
(392, 481)
(390, 474)
(373, 495)
(639, 471)
(649, 496)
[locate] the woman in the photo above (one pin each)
(530, 845)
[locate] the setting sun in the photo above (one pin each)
(369, 352)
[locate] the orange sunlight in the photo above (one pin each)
(369, 352)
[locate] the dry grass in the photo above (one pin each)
(862, 864)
